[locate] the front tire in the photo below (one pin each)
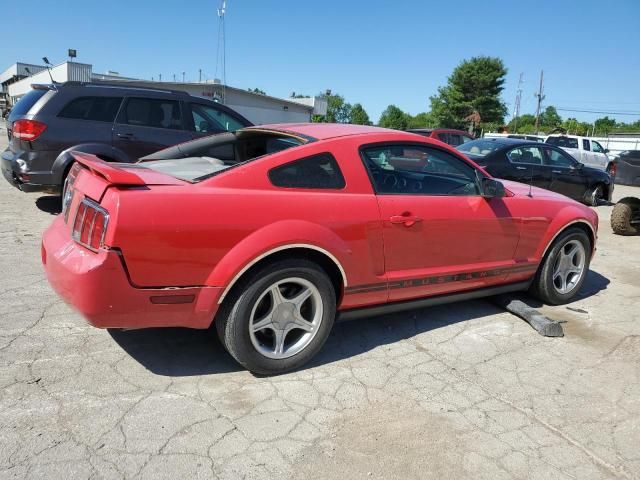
(564, 268)
(595, 195)
(279, 317)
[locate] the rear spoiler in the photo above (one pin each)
(113, 175)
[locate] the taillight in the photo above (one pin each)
(90, 225)
(68, 191)
(612, 169)
(28, 129)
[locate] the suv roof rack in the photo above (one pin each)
(123, 86)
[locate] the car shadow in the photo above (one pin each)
(180, 352)
(51, 204)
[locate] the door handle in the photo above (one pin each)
(521, 168)
(127, 136)
(406, 218)
(556, 171)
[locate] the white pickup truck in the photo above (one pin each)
(584, 150)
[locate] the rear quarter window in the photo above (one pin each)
(318, 172)
(100, 109)
(23, 105)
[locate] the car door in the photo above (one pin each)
(439, 234)
(600, 159)
(587, 155)
(566, 176)
(208, 119)
(146, 125)
(527, 166)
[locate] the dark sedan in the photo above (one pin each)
(628, 172)
(541, 165)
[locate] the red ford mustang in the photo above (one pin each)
(269, 233)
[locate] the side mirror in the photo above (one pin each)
(606, 150)
(492, 188)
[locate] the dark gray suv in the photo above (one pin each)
(115, 122)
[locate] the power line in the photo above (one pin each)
(563, 109)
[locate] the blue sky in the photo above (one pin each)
(373, 52)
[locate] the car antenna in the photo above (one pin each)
(48, 63)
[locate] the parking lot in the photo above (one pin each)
(459, 391)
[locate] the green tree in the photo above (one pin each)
(359, 115)
(421, 120)
(605, 125)
(395, 118)
(474, 86)
(257, 90)
(338, 111)
(549, 118)
(523, 124)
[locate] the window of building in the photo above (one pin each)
(99, 109)
(317, 172)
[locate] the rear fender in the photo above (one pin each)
(274, 238)
(65, 159)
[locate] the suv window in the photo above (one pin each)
(23, 105)
(100, 109)
(151, 112)
(319, 172)
(418, 170)
(565, 142)
(585, 144)
(207, 119)
(528, 155)
(558, 159)
(597, 147)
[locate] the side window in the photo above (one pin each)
(99, 109)
(585, 145)
(455, 139)
(317, 172)
(418, 170)
(558, 159)
(597, 147)
(443, 137)
(208, 119)
(151, 112)
(529, 155)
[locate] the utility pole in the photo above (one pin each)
(516, 110)
(199, 75)
(174, 78)
(182, 77)
(160, 77)
(540, 98)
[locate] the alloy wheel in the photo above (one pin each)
(285, 318)
(569, 267)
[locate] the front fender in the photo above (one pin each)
(65, 158)
(274, 238)
(567, 216)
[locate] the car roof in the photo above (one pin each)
(324, 131)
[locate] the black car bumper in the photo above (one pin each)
(25, 181)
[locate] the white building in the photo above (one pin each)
(257, 108)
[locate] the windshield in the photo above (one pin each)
(25, 103)
(479, 148)
(565, 142)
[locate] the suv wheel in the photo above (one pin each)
(564, 268)
(279, 318)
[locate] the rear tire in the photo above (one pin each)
(621, 219)
(279, 317)
(564, 268)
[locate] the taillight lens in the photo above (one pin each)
(68, 190)
(90, 225)
(28, 129)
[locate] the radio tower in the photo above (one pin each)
(221, 52)
(516, 108)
